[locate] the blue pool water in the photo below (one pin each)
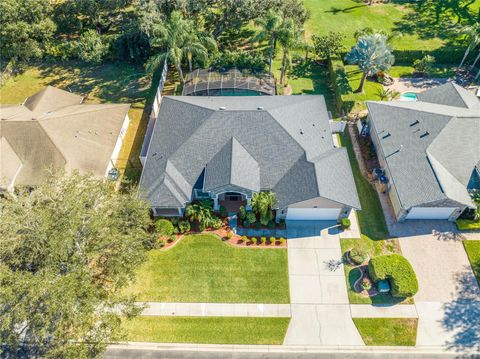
(408, 96)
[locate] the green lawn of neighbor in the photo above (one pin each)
(373, 248)
(468, 224)
(370, 218)
(473, 251)
(120, 83)
(387, 331)
(202, 268)
(207, 330)
(420, 30)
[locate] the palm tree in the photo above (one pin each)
(372, 54)
(290, 38)
(178, 38)
(473, 37)
(262, 203)
(269, 26)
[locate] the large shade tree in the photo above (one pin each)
(372, 54)
(472, 37)
(67, 249)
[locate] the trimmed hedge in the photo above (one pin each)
(397, 270)
(164, 227)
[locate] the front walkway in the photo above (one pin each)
(320, 313)
(215, 309)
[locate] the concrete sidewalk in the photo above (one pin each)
(370, 311)
(215, 309)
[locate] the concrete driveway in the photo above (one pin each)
(448, 301)
(320, 311)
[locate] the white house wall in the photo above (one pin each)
(118, 144)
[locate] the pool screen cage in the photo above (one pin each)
(204, 82)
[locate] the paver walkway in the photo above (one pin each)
(320, 308)
(216, 309)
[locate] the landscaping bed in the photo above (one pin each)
(473, 252)
(388, 331)
(353, 272)
(202, 268)
(207, 330)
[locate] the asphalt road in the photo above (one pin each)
(115, 353)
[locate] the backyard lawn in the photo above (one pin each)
(473, 251)
(388, 331)
(201, 268)
(420, 28)
(121, 83)
(207, 330)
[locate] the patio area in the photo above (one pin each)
(412, 84)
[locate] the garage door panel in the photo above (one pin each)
(313, 214)
(430, 212)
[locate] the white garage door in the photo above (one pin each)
(430, 212)
(300, 214)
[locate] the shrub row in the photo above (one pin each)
(397, 270)
(262, 240)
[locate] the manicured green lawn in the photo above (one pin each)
(439, 71)
(370, 218)
(473, 251)
(388, 331)
(207, 330)
(122, 83)
(201, 268)
(420, 30)
(373, 248)
(467, 225)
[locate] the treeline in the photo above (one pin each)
(136, 30)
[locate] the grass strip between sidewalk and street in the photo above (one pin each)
(388, 331)
(207, 330)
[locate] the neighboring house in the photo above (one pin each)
(227, 148)
(54, 130)
(430, 151)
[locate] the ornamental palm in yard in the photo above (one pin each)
(372, 54)
(178, 38)
(290, 37)
(473, 38)
(263, 203)
(269, 26)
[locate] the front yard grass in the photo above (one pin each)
(373, 248)
(473, 252)
(467, 225)
(207, 330)
(388, 331)
(201, 268)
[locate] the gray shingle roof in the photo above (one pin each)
(287, 137)
(430, 149)
(449, 94)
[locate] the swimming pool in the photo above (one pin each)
(408, 96)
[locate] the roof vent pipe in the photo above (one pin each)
(260, 108)
(222, 108)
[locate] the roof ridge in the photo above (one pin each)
(106, 106)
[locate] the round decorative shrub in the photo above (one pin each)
(398, 271)
(273, 240)
(254, 240)
(345, 223)
(244, 239)
(183, 226)
(215, 223)
(164, 227)
(263, 240)
(282, 240)
(229, 235)
(357, 256)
